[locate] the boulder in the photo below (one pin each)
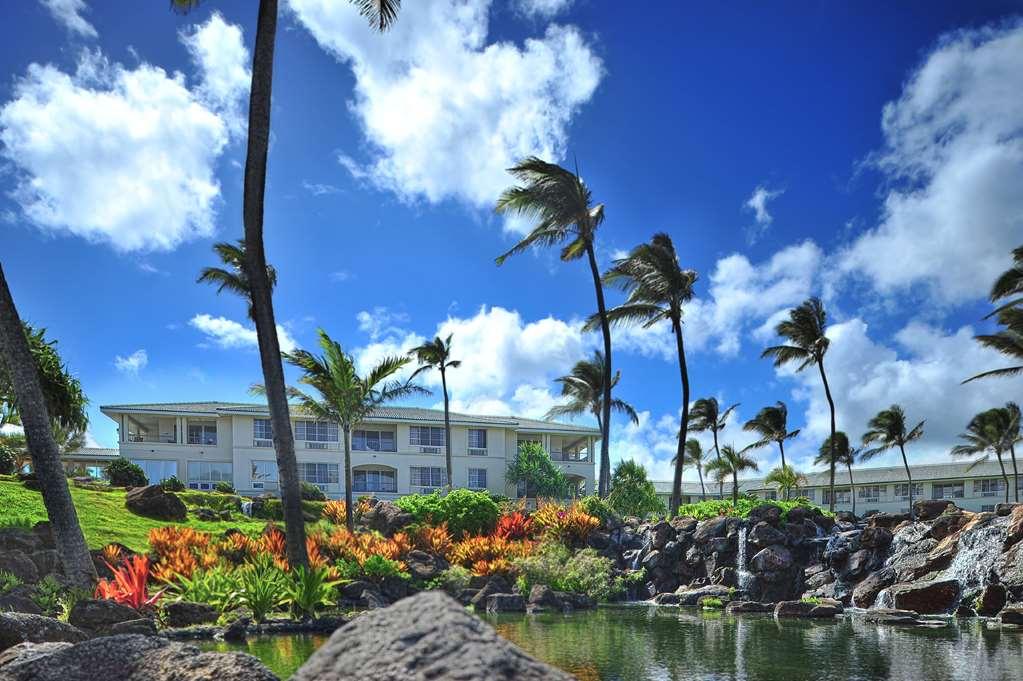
(206, 515)
(991, 600)
(425, 566)
(928, 598)
(892, 616)
(352, 591)
(764, 535)
(237, 631)
(17, 627)
(742, 607)
(129, 658)
(542, 597)
(858, 563)
(188, 614)
(506, 603)
(794, 609)
(20, 565)
(652, 560)
(98, 616)
(427, 636)
(687, 596)
(866, 592)
(667, 599)
(17, 539)
(798, 514)
(887, 520)
(660, 534)
(774, 558)
(495, 585)
(140, 626)
(768, 513)
(948, 523)
(876, 538)
(1014, 530)
(465, 596)
(710, 528)
(386, 518)
(1013, 615)
(153, 502)
(19, 599)
(684, 525)
(929, 509)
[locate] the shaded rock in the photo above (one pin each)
(394, 588)
(505, 603)
(465, 596)
(352, 591)
(577, 601)
(887, 520)
(876, 538)
(427, 636)
(798, 514)
(819, 579)
(743, 607)
(17, 627)
(764, 535)
(652, 560)
(1014, 531)
(373, 600)
(423, 565)
(991, 600)
(386, 518)
(24, 652)
(824, 611)
(1013, 615)
(140, 626)
(46, 561)
(131, 658)
(768, 513)
(928, 598)
(687, 596)
(153, 502)
(773, 558)
(965, 612)
(929, 509)
(19, 599)
(948, 523)
(1004, 509)
(237, 631)
(17, 539)
(892, 616)
(667, 599)
(710, 528)
(542, 597)
(495, 585)
(793, 609)
(20, 565)
(660, 534)
(726, 576)
(866, 592)
(188, 614)
(858, 563)
(686, 525)
(98, 616)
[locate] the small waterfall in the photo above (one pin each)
(884, 599)
(637, 560)
(745, 576)
(979, 550)
(247, 509)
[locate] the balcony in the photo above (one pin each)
(574, 457)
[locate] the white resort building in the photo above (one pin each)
(396, 451)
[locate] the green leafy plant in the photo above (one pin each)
(67, 602)
(8, 459)
(374, 569)
(261, 586)
(584, 572)
(466, 512)
(18, 521)
(712, 603)
(8, 581)
(455, 578)
(48, 593)
(123, 473)
(216, 587)
(173, 484)
(714, 507)
(224, 487)
(533, 467)
(311, 492)
(596, 507)
(811, 599)
(632, 494)
(308, 590)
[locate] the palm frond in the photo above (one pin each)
(381, 14)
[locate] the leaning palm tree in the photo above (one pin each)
(584, 389)
(786, 478)
(695, 453)
(33, 378)
(344, 397)
(562, 206)
(807, 343)
(835, 451)
(1008, 341)
(731, 463)
(436, 354)
(887, 430)
(771, 424)
(1009, 283)
(706, 414)
(987, 433)
(657, 288)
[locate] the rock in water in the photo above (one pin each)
(926, 598)
(128, 658)
(427, 636)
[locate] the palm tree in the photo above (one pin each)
(731, 462)
(807, 344)
(231, 277)
(987, 433)
(695, 453)
(1009, 283)
(1012, 436)
(345, 397)
(45, 394)
(381, 14)
(1008, 341)
(705, 414)
(835, 451)
(771, 424)
(584, 389)
(887, 430)
(562, 206)
(657, 288)
(786, 478)
(436, 354)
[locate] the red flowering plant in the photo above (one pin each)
(130, 585)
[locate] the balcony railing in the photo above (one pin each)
(570, 456)
(477, 451)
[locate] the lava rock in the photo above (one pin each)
(667, 599)
(876, 538)
(237, 631)
(824, 611)
(140, 626)
(17, 627)
(652, 559)
(542, 597)
(98, 616)
(660, 534)
(20, 565)
(505, 603)
(687, 596)
(774, 558)
(887, 520)
(17, 539)
(424, 566)
(768, 513)
(793, 609)
(929, 509)
(743, 607)
(892, 616)
(1014, 531)
(866, 592)
(153, 501)
(992, 599)
(764, 535)
(928, 598)
(188, 614)
(710, 528)
(19, 599)
(387, 518)
(495, 585)
(948, 523)
(1013, 615)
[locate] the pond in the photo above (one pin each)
(643, 643)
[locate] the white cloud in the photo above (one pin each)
(444, 111)
(122, 156)
(954, 157)
(69, 14)
(341, 276)
(319, 189)
(542, 9)
(380, 321)
(757, 202)
(133, 363)
(220, 54)
(229, 334)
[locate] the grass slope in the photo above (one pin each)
(103, 517)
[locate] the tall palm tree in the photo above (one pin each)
(695, 453)
(1009, 283)
(1008, 341)
(706, 414)
(1012, 436)
(44, 395)
(987, 433)
(381, 14)
(807, 343)
(731, 462)
(886, 430)
(231, 277)
(786, 478)
(344, 397)
(657, 289)
(835, 451)
(562, 206)
(436, 354)
(771, 424)
(583, 386)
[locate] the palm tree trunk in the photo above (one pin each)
(1015, 472)
(676, 485)
(604, 481)
(349, 503)
(909, 476)
(67, 533)
(703, 490)
(1005, 477)
(717, 453)
(831, 406)
(260, 289)
(852, 488)
(781, 447)
(735, 488)
(447, 426)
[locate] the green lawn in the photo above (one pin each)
(103, 516)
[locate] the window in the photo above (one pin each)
(426, 436)
(871, 492)
(947, 490)
(810, 494)
(988, 488)
(477, 438)
(842, 496)
(902, 491)
(157, 470)
(771, 494)
(262, 430)
(477, 478)
(263, 471)
(316, 431)
(206, 474)
(374, 481)
(373, 441)
(318, 473)
(428, 476)
(202, 433)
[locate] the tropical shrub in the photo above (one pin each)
(596, 507)
(335, 511)
(67, 602)
(480, 551)
(261, 586)
(8, 459)
(463, 511)
(374, 569)
(223, 487)
(112, 554)
(217, 587)
(533, 467)
(455, 578)
(425, 508)
(570, 525)
(632, 494)
(584, 572)
(130, 585)
(48, 593)
(123, 473)
(712, 508)
(173, 484)
(712, 603)
(436, 540)
(307, 590)
(516, 525)
(8, 580)
(311, 492)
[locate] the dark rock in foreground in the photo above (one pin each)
(98, 617)
(427, 636)
(928, 598)
(19, 627)
(127, 658)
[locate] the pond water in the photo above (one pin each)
(642, 643)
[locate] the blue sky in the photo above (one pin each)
(870, 155)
